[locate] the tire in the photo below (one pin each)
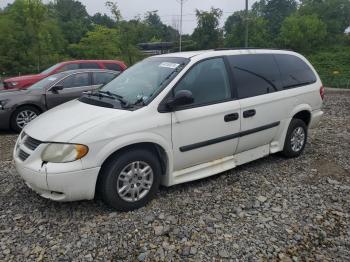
(23, 111)
(296, 138)
(117, 174)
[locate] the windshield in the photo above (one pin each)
(44, 82)
(50, 69)
(143, 81)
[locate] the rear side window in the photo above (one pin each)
(89, 66)
(102, 78)
(114, 67)
(255, 74)
(294, 71)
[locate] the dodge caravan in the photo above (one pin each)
(171, 119)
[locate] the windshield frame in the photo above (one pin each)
(183, 62)
(51, 68)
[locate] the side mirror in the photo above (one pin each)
(181, 98)
(57, 88)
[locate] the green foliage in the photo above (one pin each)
(302, 33)
(207, 33)
(72, 18)
(30, 39)
(333, 66)
(101, 43)
(104, 20)
(334, 13)
(235, 26)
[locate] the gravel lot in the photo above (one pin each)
(271, 209)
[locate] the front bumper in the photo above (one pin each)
(315, 118)
(5, 116)
(58, 182)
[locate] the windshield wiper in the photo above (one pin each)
(119, 97)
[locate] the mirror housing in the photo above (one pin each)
(57, 88)
(181, 98)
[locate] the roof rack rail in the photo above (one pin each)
(248, 48)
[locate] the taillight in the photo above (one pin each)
(322, 92)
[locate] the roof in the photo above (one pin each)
(69, 72)
(223, 51)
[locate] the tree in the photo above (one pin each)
(235, 26)
(104, 20)
(30, 39)
(72, 17)
(334, 13)
(274, 12)
(100, 43)
(207, 33)
(303, 33)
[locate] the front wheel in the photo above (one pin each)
(130, 179)
(22, 116)
(295, 139)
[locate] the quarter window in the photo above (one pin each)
(76, 80)
(103, 78)
(208, 81)
(255, 74)
(294, 71)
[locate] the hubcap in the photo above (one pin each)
(24, 117)
(135, 181)
(297, 139)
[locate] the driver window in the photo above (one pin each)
(208, 81)
(76, 80)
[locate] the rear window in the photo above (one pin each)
(114, 67)
(255, 74)
(294, 71)
(89, 66)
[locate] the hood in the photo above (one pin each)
(25, 78)
(9, 93)
(65, 122)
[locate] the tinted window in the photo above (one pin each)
(103, 78)
(255, 75)
(68, 67)
(114, 67)
(76, 80)
(89, 66)
(294, 71)
(208, 81)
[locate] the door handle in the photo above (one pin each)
(249, 113)
(231, 117)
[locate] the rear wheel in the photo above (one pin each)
(295, 139)
(130, 179)
(22, 116)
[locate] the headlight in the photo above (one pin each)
(12, 83)
(2, 104)
(63, 153)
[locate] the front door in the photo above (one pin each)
(73, 86)
(205, 130)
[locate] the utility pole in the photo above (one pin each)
(246, 24)
(181, 14)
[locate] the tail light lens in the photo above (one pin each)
(322, 92)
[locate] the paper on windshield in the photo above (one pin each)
(169, 65)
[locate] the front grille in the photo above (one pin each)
(31, 143)
(22, 155)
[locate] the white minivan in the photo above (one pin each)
(171, 119)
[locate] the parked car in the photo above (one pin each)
(19, 107)
(21, 82)
(171, 119)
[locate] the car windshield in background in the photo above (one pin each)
(50, 69)
(44, 82)
(143, 81)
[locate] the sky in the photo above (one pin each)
(168, 10)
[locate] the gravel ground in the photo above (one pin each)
(271, 209)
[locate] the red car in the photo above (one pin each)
(21, 82)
